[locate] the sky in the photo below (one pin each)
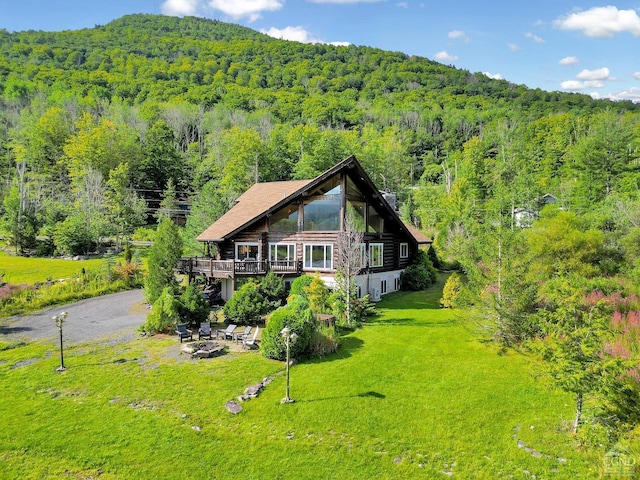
(584, 46)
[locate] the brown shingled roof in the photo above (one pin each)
(417, 234)
(251, 204)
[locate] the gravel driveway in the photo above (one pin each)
(115, 316)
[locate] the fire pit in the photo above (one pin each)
(203, 349)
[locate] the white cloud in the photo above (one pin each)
(249, 9)
(636, 75)
(581, 85)
(297, 34)
(458, 35)
(601, 22)
(632, 94)
(572, 85)
(443, 56)
(179, 8)
(588, 79)
(345, 1)
(513, 47)
(599, 74)
(494, 76)
(402, 4)
(569, 61)
(534, 37)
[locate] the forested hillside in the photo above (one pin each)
(96, 123)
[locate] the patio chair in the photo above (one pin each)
(244, 335)
(204, 331)
(251, 341)
(227, 332)
(183, 332)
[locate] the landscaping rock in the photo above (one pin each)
(254, 390)
(233, 407)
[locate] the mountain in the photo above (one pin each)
(151, 57)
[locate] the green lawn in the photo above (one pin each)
(31, 270)
(413, 394)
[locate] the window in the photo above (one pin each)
(247, 251)
(282, 252)
(383, 285)
(321, 210)
(356, 215)
(396, 283)
(322, 214)
(375, 221)
(375, 254)
(363, 255)
(285, 220)
(404, 250)
(318, 257)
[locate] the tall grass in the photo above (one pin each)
(412, 394)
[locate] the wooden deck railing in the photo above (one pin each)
(228, 268)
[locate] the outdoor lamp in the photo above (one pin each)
(290, 338)
(59, 319)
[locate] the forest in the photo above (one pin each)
(98, 125)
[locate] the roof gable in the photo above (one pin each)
(264, 198)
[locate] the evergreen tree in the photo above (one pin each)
(163, 258)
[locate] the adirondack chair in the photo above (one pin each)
(227, 332)
(240, 336)
(183, 332)
(204, 331)
(251, 341)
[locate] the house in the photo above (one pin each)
(524, 217)
(292, 228)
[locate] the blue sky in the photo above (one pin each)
(585, 46)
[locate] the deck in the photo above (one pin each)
(210, 267)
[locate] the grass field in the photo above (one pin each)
(413, 394)
(32, 270)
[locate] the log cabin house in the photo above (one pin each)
(292, 228)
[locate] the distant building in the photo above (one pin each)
(524, 217)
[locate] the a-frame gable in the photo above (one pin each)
(264, 199)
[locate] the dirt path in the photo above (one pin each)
(113, 316)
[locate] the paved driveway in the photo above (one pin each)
(114, 316)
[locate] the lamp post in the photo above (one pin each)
(59, 319)
(290, 338)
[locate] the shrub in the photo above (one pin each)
(246, 306)
(433, 256)
(323, 341)
(272, 289)
(192, 307)
(361, 308)
(297, 286)
(318, 295)
(164, 313)
(130, 273)
(298, 317)
(72, 237)
(451, 291)
(420, 274)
